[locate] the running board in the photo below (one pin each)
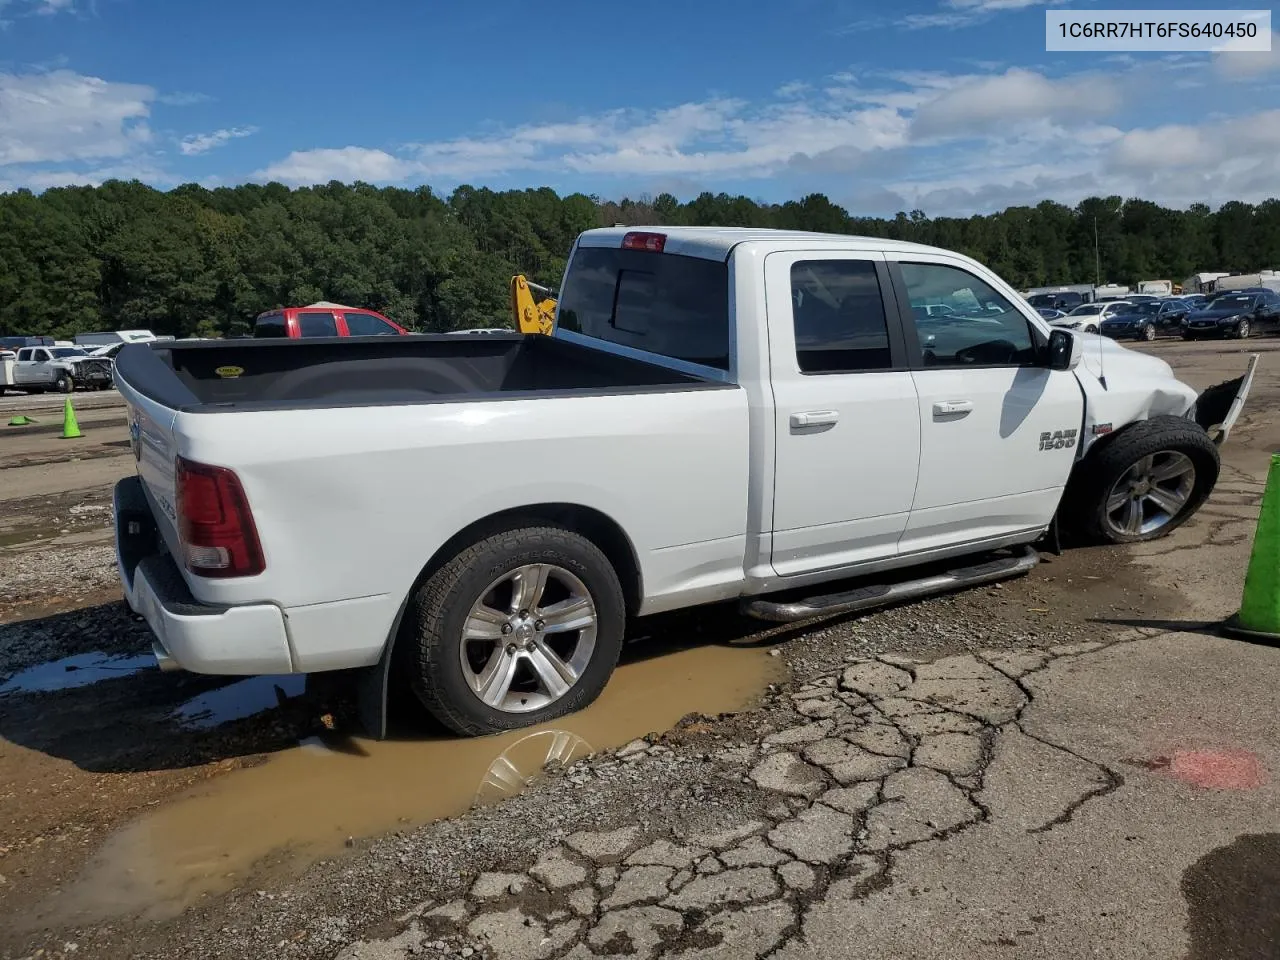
(879, 595)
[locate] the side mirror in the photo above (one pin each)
(1064, 350)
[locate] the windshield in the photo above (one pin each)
(1086, 308)
(1231, 303)
(62, 352)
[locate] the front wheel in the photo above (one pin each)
(1144, 483)
(1149, 332)
(63, 383)
(1091, 329)
(1242, 330)
(521, 627)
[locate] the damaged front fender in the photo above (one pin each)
(1219, 407)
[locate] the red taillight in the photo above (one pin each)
(639, 240)
(215, 524)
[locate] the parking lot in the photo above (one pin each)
(1074, 763)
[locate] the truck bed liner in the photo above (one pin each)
(357, 371)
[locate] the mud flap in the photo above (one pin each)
(1220, 406)
(371, 690)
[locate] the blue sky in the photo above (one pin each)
(952, 106)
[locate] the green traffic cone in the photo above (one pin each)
(1259, 614)
(20, 421)
(70, 428)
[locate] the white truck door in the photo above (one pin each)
(846, 427)
(998, 429)
(31, 365)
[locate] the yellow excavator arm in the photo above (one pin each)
(532, 316)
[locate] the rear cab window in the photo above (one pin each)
(668, 304)
(270, 325)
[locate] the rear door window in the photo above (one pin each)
(839, 316)
(316, 323)
(663, 303)
(367, 325)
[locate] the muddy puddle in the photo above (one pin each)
(303, 804)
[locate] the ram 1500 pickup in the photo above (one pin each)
(719, 415)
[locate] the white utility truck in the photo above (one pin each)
(720, 415)
(36, 369)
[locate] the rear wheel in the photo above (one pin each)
(1144, 483)
(521, 627)
(1090, 328)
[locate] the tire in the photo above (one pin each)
(1242, 330)
(1149, 332)
(63, 383)
(446, 668)
(1090, 329)
(1093, 488)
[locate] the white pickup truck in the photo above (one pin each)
(720, 415)
(36, 369)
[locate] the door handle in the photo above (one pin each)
(944, 407)
(815, 418)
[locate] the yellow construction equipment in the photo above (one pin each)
(532, 316)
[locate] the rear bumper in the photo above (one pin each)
(188, 634)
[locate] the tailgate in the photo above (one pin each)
(154, 445)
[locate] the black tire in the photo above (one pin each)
(63, 383)
(1084, 506)
(434, 620)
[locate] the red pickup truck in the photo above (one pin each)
(325, 320)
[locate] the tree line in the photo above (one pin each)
(197, 262)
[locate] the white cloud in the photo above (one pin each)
(61, 116)
(1249, 64)
(346, 163)
(1206, 148)
(984, 104)
(963, 13)
(197, 143)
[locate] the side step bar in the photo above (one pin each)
(879, 595)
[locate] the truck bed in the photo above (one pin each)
(357, 371)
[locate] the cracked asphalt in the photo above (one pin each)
(982, 802)
(1074, 764)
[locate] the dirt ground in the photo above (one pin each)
(148, 814)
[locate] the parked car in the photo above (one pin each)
(1065, 301)
(325, 320)
(1234, 315)
(1194, 301)
(36, 369)
(719, 414)
(1146, 320)
(1088, 317)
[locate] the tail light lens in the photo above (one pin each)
(639, 240)
(215, 525)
